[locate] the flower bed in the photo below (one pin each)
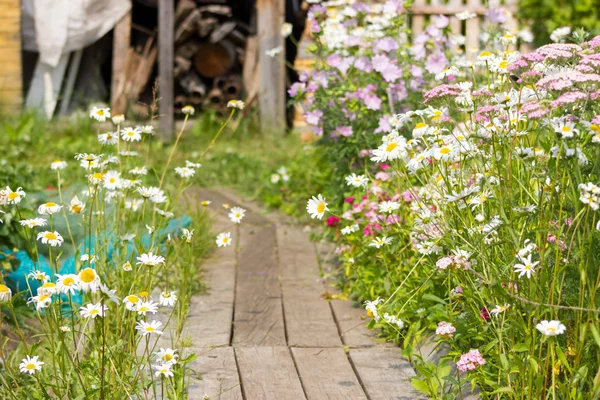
(466, 200)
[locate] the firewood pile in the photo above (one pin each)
(209, 52)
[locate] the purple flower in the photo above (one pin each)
(391, 73)
(380, 62)
(441, 21)
(345, 131)
(384, 124)
(296, 89)
(386, 45)
(313, 117)
(334, 60)
(372, 102)
(436, 63)
(345, 64)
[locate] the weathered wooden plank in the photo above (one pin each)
(385, 374)
(352, 325)
(472, 32)
(10, 47)
(418, 21)
(166, 59)
(268, 373)
(309, 321)
(121, 45)
(208, 323)
(220, 378)
(272, 76)
(327, 374)
(258, 319)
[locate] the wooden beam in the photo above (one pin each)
(272, 74)
(10, 47)
(121, 45)
(165, 68)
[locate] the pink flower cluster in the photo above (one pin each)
(442, 91)
(568, 98)
(470, 361)
(445, 329)
(453, 262)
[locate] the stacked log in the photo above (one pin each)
(209, 49)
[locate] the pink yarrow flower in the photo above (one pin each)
(470, 361)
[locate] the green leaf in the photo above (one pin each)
(595, 334)
(503, 390)
(520, 347)
(421, 386)
(432, 297)
(562, 358)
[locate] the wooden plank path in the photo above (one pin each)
(263, 330)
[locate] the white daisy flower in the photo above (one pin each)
(388, 206)
(380, 241)
(223, 239)
(147, 129)
(188, 110)
(239, 104)
(190, 164)
(371, 307)
(58, 165)
(131, 134)
(144, 307)
(150, 260)
(112, 180)
(527, 267)
(76, 206)
(131, 301)
(108, 138)
(48, 288)
(357, 180)
(142, 171)
(349, 229)
(146, 328)
(163, 369)
(167, 299)
(5, 293)
(54, 239)
(89, 281)
(100, 114)
(93, 310)
(551, 328)
(286, 29)
(39, 276)
(499, 309)
(236, 214)
(187, 235)
(118, 119)
(390, 150)
(67, 283)
(316, 207)
(29, 365)
(33, 222)
(41, 301)
(13, 197)
(185, 172)
(167, 355)
(88, 161)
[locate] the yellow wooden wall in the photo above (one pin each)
(11, 84)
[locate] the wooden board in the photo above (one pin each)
(268, 373)
(309, 321)
(352, 322)
(385, 375)
(327, 374)
(258, 319)
(166, 59)
(272, 76)
(220, 378)
(11, 81)
(121, 48)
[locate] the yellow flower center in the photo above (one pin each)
(550, 329)
(76, 208)
(237, 215)
(50, 236)
(4, 289)
(370, 313)
(168, 357)
(112, 180)
(30, 366)
(130, 133)
(445, 150)
(94, 311)
(132, 299)
(97, 175)
(100, 112)
(503, 64)
(149, 329)
(43, 297)
(144, 294)
(68, 281)
(143, 309)
(48, 285)
(485, 54)
(528, 267)
(566, 129)
(13, 195)
(390, 147)
(595, 127)
(88, 275)
(225, 240)
(321, 207)
(420, 125)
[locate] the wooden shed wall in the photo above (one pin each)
(11, 84)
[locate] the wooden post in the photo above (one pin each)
(121, 44)
(165, 68)
(11, 86)
(272, 73)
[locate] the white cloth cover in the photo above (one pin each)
(53, 27)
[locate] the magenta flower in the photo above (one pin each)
(332, 221)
